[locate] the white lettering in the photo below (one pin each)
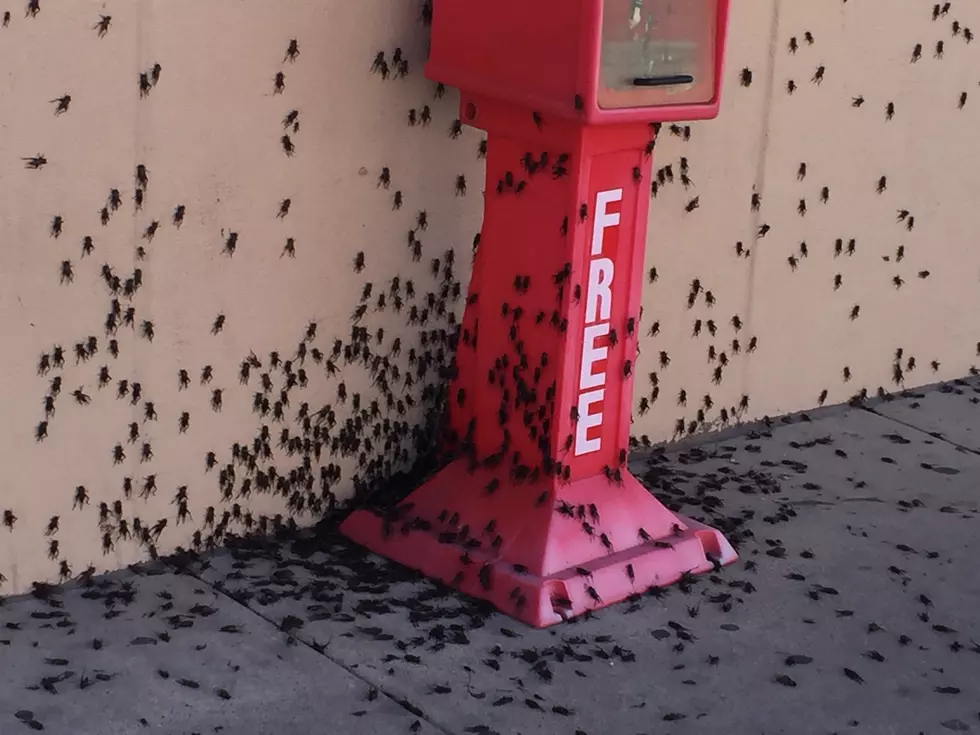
(586, 420)
(603, 219)
(591, 354)
(598, 291)
(598, 310)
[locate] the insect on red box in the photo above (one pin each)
(535, 508)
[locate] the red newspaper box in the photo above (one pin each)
(537, 511)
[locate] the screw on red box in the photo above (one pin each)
(538, 512)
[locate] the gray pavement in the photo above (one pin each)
(853, 609)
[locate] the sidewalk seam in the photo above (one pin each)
(939, 437)
(400, 700)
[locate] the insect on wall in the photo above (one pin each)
(192, 416)
(180, 211)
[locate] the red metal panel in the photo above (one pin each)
(538, 513)
(545, 55)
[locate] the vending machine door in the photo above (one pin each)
(657, 52)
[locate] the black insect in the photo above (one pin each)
(461, 185)
(149, 411)
(142, 176)
(62, 104)
(853, 676)
(745, 77)
(81, 498)
(231, 242)
(292, 51)
(102, 27)
(151, 230)
(35, 162)
(145, 86)
(291, 119)
(67, 272)
(818, 75)
(692, 204)
(57, 225)
(484, 577)
(218, 324)
(287, 145)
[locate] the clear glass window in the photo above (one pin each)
(657, 52)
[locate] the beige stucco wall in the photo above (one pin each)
(209, 135)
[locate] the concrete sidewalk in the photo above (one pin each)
(853, 608)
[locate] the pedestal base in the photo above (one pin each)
(540, 552)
